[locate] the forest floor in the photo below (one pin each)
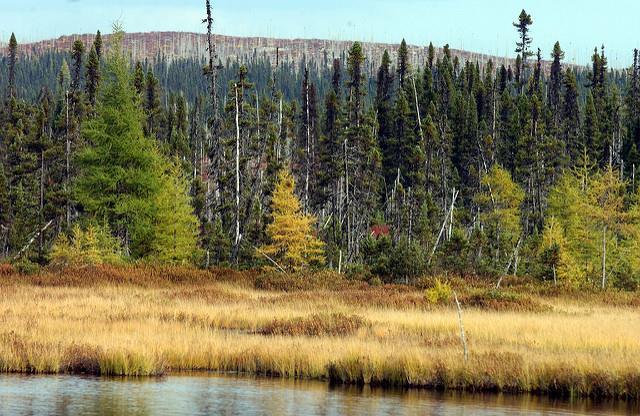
(527, 337)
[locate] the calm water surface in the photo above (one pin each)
(228, 395)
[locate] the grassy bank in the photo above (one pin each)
(147, 321)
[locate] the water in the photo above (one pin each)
(227, 395)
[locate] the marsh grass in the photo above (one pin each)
(143, 321)
(316, 325)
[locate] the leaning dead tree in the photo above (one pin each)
(463, 336)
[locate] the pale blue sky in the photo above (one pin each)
(477, 25)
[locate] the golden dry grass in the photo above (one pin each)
(385, 335)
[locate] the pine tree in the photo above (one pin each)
(292, 243)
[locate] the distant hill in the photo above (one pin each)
(176, 45)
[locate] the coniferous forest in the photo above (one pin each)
(448, 168)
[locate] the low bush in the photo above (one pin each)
(7, 269)
(26, 267)
(440, 293)
(92, 245)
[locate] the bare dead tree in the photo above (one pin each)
(211, 71)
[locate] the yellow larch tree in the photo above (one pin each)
(292, 243)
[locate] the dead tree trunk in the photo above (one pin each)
(604, 256)
(237, 119)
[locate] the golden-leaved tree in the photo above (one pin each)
(292, 243)
(500, 202)
(594, 231)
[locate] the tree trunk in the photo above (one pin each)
(307, 151)
(68, 161)
(237, 240)
(604, 256)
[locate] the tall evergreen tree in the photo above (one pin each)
(13, 59)
(121, 176)
(92, 76)
(522, 46)
(403, 64)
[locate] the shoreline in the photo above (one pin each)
(140, 322)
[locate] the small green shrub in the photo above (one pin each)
(375, 281)
(440, 293)
(93, 245)
(26, 266)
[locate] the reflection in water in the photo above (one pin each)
(214, 394)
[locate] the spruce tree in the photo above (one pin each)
(97, 44)
(92, 76)
(570, 114)
(522, 46)
(385, 117)
(403, 64)
(77, 56)
(13, 59)
(138, 78)
(591, 139)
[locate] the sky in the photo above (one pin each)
(476, 25)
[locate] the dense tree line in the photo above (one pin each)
(450, 167)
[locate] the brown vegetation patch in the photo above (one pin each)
(292, 282)
(390, 296)
(6, 269)
(359, 294)
(81, 359)
(502, 301)
(335, 324)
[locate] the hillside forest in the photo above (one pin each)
(384, 171)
